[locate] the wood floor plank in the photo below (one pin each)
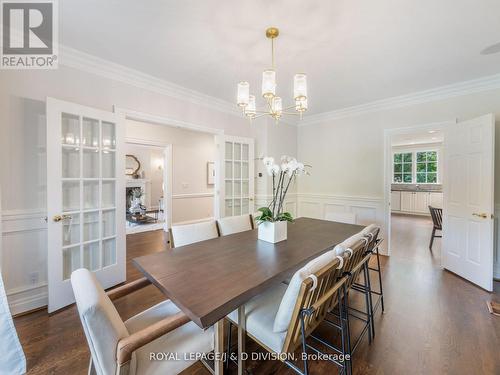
(435, 322)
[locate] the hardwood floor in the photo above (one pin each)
(435, 322)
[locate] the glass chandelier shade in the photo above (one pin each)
(277, 106)
(251, 109)
(301, 105)
(243, 93)
(300, 86)
(268, 83)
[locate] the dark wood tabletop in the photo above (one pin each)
(209, 279)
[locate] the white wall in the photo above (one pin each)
(347, 154)
(192, 197)
(23, 160)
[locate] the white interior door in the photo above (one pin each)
(85, 196)
(236, 172)
(468, 200)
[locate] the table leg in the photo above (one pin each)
(219, 347)
(241, 339)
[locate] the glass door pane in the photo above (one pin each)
(90, 136)
(108, 135)
(71, 230)
(90, 163)
(91, 259)
(71, 196)
(70, 128)
(70, 162)
(91, 226)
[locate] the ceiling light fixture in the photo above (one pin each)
(274, 104)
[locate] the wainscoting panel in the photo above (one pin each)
(368, 210)
(24, 259)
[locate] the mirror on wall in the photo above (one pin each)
(132, 166)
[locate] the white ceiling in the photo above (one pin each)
(354, 52)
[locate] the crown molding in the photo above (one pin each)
(436, 94)
(83, 61)
(79, 60)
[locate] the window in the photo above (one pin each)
(427, 165)
(403, 168)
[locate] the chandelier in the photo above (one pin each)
(274, 103)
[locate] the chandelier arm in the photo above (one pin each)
(261, 115)
(291, 113)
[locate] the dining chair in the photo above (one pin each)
(235, 224)
(341, 217)
(437, 221)
(354, 251)
(373, 232)
(283, 317)
(186, 234)
(125, 348)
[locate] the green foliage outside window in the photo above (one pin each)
(425, 165)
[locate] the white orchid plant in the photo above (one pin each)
(283, 175)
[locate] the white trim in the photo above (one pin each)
(82, 61)
(167, 175)
(28, 300)
(193, 195)
(164, 120)
(387, 182)
(92, 64)
(439, 93)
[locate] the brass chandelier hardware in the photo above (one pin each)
(274, 103)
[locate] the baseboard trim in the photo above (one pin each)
(20, 304)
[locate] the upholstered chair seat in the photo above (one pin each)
(124, 348)
(269, 315)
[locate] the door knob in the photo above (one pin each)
(58, 218)
(483, 215)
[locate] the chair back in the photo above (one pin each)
(341, 217)
(360, 244)
(316, 293)
(181, 235)
(101, 322)
(234, 224)
(437, 216)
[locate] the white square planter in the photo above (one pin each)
(272, 232)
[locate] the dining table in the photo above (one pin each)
(207, 280)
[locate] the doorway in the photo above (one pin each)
(464, 167)
(416, 191)
(146, 167)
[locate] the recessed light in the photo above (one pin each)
(434, 138)
(432, 131)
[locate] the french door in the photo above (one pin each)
(85, 197)
(236, 175)
(468, 200)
